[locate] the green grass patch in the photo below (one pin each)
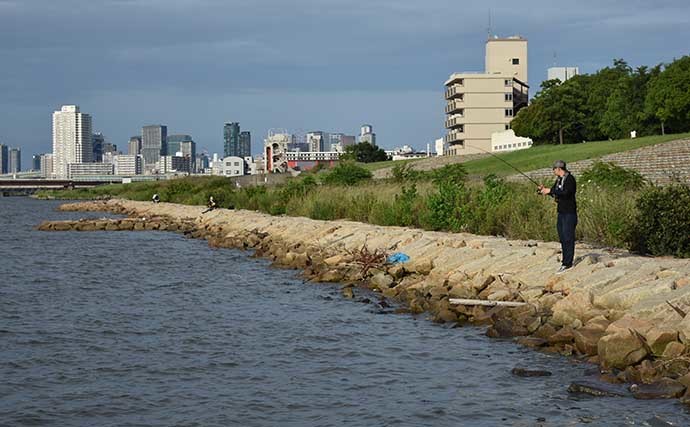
(388, 163)
(542, 156)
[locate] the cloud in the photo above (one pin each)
(302, 63)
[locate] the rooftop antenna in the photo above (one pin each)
(488, 29)
(555, 56)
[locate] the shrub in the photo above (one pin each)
(454, 174)
(298, 187)
(662, 224)
(605, 216)
(403, 172)
(346, 173)
(444, 208)
(481, 212)
(613, 176)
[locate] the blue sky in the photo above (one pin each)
(300, 64)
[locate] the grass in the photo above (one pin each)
(542, 156)
(386, 164)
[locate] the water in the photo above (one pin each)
(152, 329)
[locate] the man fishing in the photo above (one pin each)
(563, 191)
(211, 205)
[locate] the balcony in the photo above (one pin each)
(455, 121)
(455, 136)
(455, 91)
(454, 106)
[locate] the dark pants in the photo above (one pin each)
(566, 234)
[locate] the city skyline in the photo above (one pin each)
(387, 72)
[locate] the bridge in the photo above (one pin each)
(25, 187)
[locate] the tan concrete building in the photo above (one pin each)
(479, 104)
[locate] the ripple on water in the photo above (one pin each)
(154, 329)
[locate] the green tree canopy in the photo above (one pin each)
(364, 152)
(609, 104)
(668, 96)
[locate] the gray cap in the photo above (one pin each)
(559, 164)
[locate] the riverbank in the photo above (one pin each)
(612, 308)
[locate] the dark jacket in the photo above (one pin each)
(563, 191)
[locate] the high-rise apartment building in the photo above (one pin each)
(562, 73)
(480, 104)
(4, 159)
(340, 141)
(231, 138)
(47, 165)
(36, 162)
(72, 139)
(153, 144)
(134, 146)
(15, 163)
(366, 134)
(97, 147)
(317, 141)
(175, 141)
(186, 147)
(245, 144)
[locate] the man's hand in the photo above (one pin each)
(544, 190)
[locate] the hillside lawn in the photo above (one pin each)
(542, 156)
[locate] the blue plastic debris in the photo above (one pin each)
(397, 258)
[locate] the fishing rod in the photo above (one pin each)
(518, 170)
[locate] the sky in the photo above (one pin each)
(299, 65)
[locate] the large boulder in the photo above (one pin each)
(684, 330)
(620, 349)
(481, 281)
(626, 324)
(397, 271)
(381, 281)
(663, 388)
(463, 291)
(422, 267)
(587, 339)
(673, 350)
(659, 338)
(576, 306)
(564, 335)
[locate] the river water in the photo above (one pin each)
(153, 329)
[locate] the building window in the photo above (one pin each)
(508, 82)
(507, 127)
(509, 112)
(516, 61)
(508, 96)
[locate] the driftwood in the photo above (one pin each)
(487, 303)
(367, 259)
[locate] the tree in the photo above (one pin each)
(609, 104)
(364, 152)
(562, 107)
(667, 97)
(556, 113)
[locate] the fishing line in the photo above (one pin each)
(518, 170)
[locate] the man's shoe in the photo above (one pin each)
(563, 269)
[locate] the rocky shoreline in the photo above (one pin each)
(623, 312)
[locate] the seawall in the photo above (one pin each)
(624, 312)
